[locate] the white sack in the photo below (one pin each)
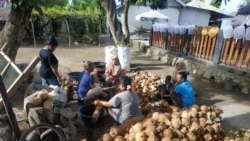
(239, 32)
(124, 57)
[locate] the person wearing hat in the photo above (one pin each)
(49, 63)
(86, 88)
(113, 70)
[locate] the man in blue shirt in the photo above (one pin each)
(86, 88)
(184, 89)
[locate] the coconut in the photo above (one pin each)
(161, 127)
(106, 137)
(153, 137)
(216, 128)
(155, 115)
(140, 136)
(176, 123)
(179, 133)
(184, 130)
(195, 107)
(149, 122)
(137, 127)
(185, 114)
(191, 136)
(194, 127)
(43, 94)
(168, 133)
(114, 131)
(37, 101)
(203, 122)
(150, 129)
(48, 104)
(185, 122)
(119, 138)
(204, 108)
(166, 139)
(176, 115)
(162, 117)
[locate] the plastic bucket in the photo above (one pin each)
(86, 113)
(99, 67)
(73, 76)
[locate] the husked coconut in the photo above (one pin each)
(185, 114)
(216, 128)
(48, 104)
(114, 131)
(155, 115)
(195, 107)
(150, 129)
(194, 127)
(37, 101)
(203, 122)
(216, 109)
(119, 138)
(43, 94)
(137, 127)
(141, 136)
(209, 121)
(168, 133)
(163, 103)
(166, 139)
(195, 119)
(193, 113)
(208, 137)
(184, 130)
(175, 109)
(149, 122)
(176, 115)
(191, 136)
(153, 137)
(204, 108)
(162, 117)
(106, 137)
(186, 122)
(161, 127)
(176, 123)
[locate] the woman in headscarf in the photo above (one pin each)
(114, 70)
(180, 66)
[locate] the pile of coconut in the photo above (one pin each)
(145, 84)
(198, 123)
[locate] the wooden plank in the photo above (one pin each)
(236, 53)
(242, 53)
(231, 52)
(199, 45)
(191, 46)
(226, 49)
(211, 53)
(204, 49)
(9, 110)
(181, 43)
(209, 47)
(247, 59)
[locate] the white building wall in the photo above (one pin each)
(192, 16)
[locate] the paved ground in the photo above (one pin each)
(235, 106)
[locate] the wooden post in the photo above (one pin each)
(236, 53)
(218, 48)
(8, 108)
(165, 40)
(68, 30)
(33, 31)
(231, 52)
(151, 37)
(242, 53)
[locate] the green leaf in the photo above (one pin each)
(35, 5)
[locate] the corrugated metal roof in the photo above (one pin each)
(201, 5)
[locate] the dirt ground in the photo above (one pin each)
(235, 106)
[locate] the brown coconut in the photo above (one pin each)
(194, 127)
(208, 137)
(150, 129)
(37, 101)
(202, 122)
(184, 130)
(119, 138)
(185, 122)
(153, 137)
(168, 133)
(166, 139)
(137, 127)
(176, 123)
(43, 94)
(106, 137)
(141, 136)
(204, 108)
(114, 131)
(149, 122)
(176, 115)
(155, 115)
(191, 136)
(48, 104)
(162, 117)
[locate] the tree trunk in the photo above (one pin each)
(112, 22)
(125, 26)
(15, 28)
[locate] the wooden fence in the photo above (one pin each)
(202, 44)
(235, 52)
